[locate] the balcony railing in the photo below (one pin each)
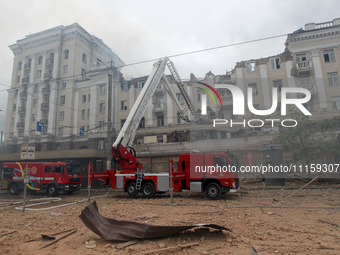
(302, 68)
(324, 24)
(304, 65)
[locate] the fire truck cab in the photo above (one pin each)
(52, 177)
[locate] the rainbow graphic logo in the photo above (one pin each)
(204, 97)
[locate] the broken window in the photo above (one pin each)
(250, 67)
(329, 56)
(123, 105)
(301, 57)
(275, 63)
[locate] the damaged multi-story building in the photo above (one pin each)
(70, 81)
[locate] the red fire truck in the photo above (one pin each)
(130, 175)
(52, 177)
(192, 173)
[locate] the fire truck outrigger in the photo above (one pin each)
(130, 175)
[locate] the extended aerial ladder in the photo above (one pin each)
(130, 176)
(122, 151)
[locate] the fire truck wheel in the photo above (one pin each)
(52, 190)
(14, 189)
(131, 189)
(213, 191)
(148, 190)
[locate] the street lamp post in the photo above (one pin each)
(109, 113)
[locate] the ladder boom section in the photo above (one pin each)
(166, 84)
(181, 88)
(128, 131)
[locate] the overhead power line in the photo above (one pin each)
(208, 49)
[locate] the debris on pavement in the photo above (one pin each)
(115, 230)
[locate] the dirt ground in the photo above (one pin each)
(263, 220)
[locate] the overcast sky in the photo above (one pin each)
(148, 29)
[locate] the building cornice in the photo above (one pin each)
(74, 31)
(315, 34)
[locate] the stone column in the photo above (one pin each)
(265, 87)
(93, 107)
(32, 71)
(53, 108)
(169, 111)
(28, 120)
(320, 85)
(76, 111)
